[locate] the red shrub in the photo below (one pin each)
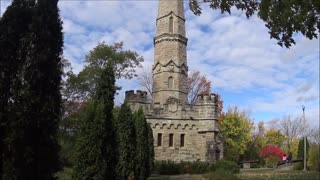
(271, 151)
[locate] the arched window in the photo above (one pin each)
(171, 24)
(170, 83)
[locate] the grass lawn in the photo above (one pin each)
(245, 174)
(249, 174)
(259, 174)
(178, 177)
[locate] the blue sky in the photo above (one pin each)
(245, 66)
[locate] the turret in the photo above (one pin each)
(170, 70)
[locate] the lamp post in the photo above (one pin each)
(304, 142)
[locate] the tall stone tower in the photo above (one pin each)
(170, 70)
(180, 133)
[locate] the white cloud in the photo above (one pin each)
(234, 52)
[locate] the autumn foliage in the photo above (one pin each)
(198, 85)
(271, 151)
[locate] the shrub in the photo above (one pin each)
(221, 174)
(271, 151)
(198, 167)
(224, 165)
(298, 166)
(170, 167)
(271, 162)
(167, 168)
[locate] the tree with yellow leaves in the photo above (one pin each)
(235, 133)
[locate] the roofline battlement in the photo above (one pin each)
(138, 96)
(206, 99)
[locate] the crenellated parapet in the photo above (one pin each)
(137, 100)
(206, 99)
(139, 96)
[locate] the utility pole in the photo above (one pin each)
(304, 141)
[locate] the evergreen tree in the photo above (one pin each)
(301, 148)
(34, 106)
(13, 27)
(151, 150)
(300, 155)
(40, 92)
(96, 147)
(142, 149)
(126, 142)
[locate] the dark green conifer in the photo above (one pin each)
(34, 95)
(150, 150)
(96, 147)
(142, 149)
(301, 148)
(40, 99)
(13, 27)
(126, 137)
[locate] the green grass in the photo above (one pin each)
(159, 178)
(245, 174)
(270, 174)
(177, 177)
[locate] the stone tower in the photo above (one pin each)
(180, 133)
(170, 70)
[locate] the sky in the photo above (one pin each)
(245, 66)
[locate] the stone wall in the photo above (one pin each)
(199, 143)
(198, 124)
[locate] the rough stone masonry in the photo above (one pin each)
(180, 133)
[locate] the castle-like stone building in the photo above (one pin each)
(181, 133)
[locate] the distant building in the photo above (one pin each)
(180, 133)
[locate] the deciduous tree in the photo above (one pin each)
(272, 151)
(235, 133)
(282, 18)
(274, 137)
(272, 154)
(83, 85)
(292, 129)
(314, 157)
(256, 143)
(198, 85)
(145, 81)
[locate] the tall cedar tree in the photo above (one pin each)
(151, 150)
(142, 149)
(300, 154)
(13, 27)
(42, 73)
(126, 137)
(96, 147)
(35, 98)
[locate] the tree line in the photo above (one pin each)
(244, 140)
(112, 143)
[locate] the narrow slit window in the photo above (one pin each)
(170, 83)
(170, 140)
(159, 139)
(182, 140)
(171, 24)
